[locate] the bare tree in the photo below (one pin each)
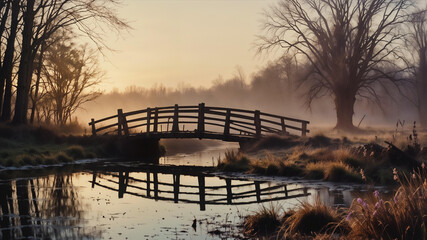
(417, 44)
(70, 74)
(351, 46)
(44, 18)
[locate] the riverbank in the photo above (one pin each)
(402, 216)
(41, 145)
(329, 159)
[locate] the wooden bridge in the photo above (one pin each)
(227, 124)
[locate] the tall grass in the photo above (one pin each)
(403, 217)
(234, 161)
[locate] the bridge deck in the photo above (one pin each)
(227, 124)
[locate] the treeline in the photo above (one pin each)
(275, 88)
(43, 72)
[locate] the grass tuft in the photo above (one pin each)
(234, 161)
(263, 223)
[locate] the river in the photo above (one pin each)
(110, 200)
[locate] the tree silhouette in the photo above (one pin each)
(352, 47)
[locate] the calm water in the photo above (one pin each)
(132, 201)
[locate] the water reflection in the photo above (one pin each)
(43, 208)
(225, 191)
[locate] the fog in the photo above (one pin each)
(273, 89)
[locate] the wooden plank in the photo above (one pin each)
(104, 119)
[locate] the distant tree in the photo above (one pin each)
(417, 44)
(351, 46)
(70, 74)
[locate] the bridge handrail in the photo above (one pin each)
(249, 122)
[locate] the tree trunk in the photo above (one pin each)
(36, 92)
(344, 104)
(25, 67)
(5, 5)
(7, 68)
(422, 87)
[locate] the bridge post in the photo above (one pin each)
(119, 121)
(202, 193)
(176, 187)
(258, 191)
(304, 129)
(148, 119)
(229, 192)
(156, 119)
(93, 127)
(175, 126)
(122, 123)
(257, 122)
(201, 120)
(227, 123)
(283, 126)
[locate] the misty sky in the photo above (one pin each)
(188, 42)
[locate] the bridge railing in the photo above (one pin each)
(198, 119)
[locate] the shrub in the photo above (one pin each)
(338, 171)
(315, 170)
(62, 157)
(75, 151)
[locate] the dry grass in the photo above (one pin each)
(265, 222)
(234, 161)
(403, 217)
(313, 219)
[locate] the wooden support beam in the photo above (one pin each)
(202, 192)
(201, 120)
(304, 129)
(93, 127)
(148, 119)
(119, 121)
(156, 119)
(282, 120)
(258, 191)
(175, 124)
(156, 185)
(229, 192)
(176, 187)
(227, 122)
(257, 123)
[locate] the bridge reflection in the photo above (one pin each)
(200, 189)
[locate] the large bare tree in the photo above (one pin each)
(351, 46)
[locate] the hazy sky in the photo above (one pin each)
(184, 42)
